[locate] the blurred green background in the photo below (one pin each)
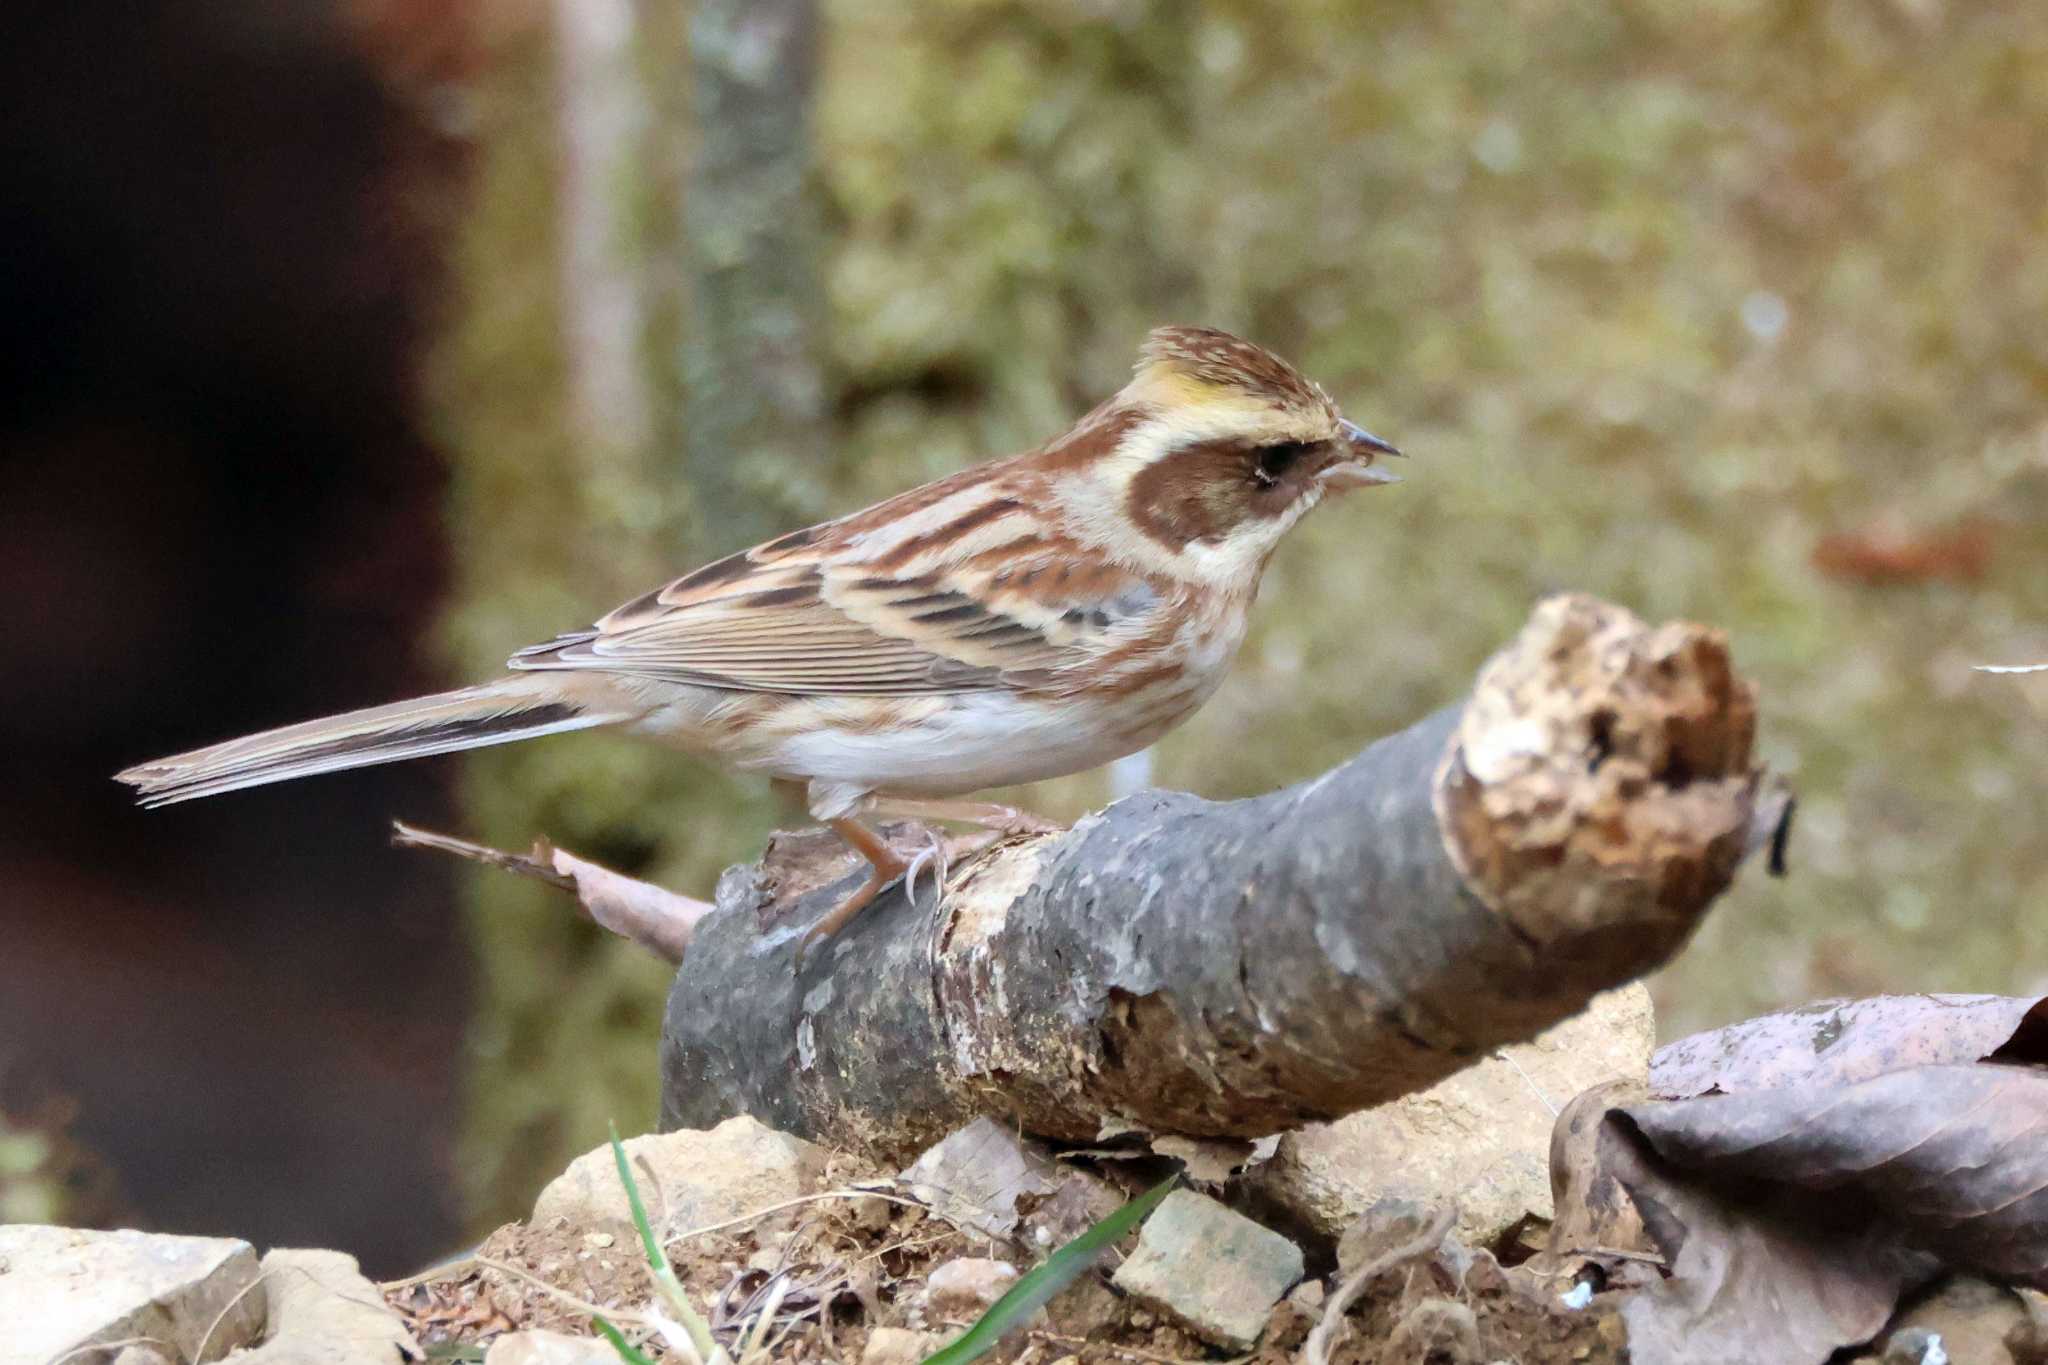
(1731, 311)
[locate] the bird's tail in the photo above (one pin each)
(495, 713)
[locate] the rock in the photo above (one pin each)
(549, 1348)
(1972, 1319)
(1391, 1222)
(703, 1176)
(1480, 1137)
(65, 1289)
(142, 1354)
(1439, 1331)
(973, 1178)
(966, 1286)
(323, 1312)
(2028, 1340)
(1213, 1270)
(894, 1346)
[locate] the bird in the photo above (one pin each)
(1021, 619)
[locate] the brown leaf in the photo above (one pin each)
(1843, 1041)
(1593, 1211)
(1749, 1285)
(1951, 1160)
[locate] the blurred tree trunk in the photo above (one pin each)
(563, 396)
(754, 441)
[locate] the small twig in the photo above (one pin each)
(225, 1309)
(532, 865)
(910, 1244)
(765, 1319)
(1316, 1351)
(1527, 1080)
(448, 1270)
(1134, 1352)
(581, 1305)
(1611, 1253)
(659, 920)
(792, 1203)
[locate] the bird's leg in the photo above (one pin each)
(988, 814)
(884, 867)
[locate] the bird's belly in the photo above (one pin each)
(922, 746)
(950, 745)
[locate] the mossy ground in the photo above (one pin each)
(1657, 297)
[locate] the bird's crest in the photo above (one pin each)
(1204, 365)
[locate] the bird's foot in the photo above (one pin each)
(993, 815)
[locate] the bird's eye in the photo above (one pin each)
(1275, 460)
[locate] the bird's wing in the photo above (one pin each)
(870, 606)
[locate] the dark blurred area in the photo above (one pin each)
(218, 512)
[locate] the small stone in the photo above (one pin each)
(872, 1213)
(1388, 1223)
(67, 1289)
(599, 1241)
(1212, 1269)
(894, 1346)
(1440, 1331)
(1308, 1296)
(2028, 1340)
(965, 1287)
(1080, 1201)
(704, 1176)
(142, 1354)
(1972, 1318)
(322, 1311)
(549, 1348)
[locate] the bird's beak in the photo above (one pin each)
(1361, 470)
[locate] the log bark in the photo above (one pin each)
(1239, 968)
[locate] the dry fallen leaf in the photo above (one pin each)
(1594, 1214)
(1951, 1160)
(1841, 1041)
(1750, 1284)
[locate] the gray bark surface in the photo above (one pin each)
(1238, 968)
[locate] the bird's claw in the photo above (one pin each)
(934, 854)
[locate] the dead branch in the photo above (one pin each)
(659, 921)
(1239, 968)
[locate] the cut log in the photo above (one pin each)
(1239, 968)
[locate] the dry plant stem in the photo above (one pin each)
(1316, 1351)
(659, 921)
(1238, 968)
(1078, 1344)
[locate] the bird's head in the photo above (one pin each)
(1217, 447)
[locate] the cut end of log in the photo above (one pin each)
(1601, 778)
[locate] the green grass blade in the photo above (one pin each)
(628, 1352)
(665, 1281)
(1058, 1271)
(656, 1257)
